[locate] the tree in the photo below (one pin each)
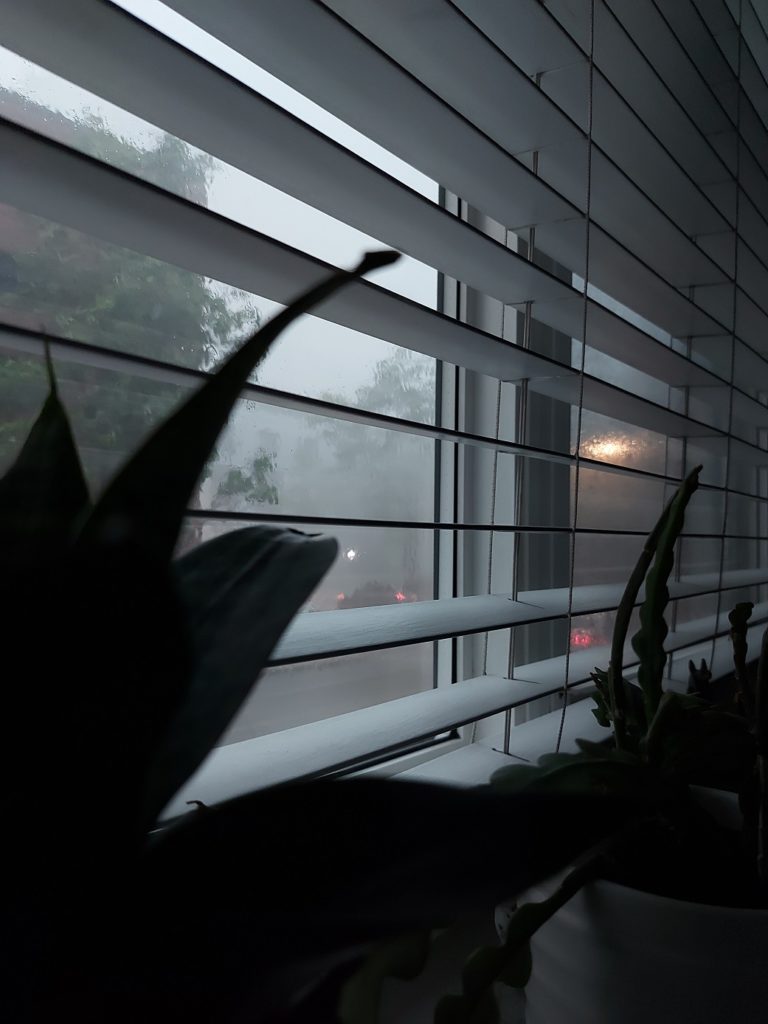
(254, 486)
(56, 279)
(403, 385)
(388, 466)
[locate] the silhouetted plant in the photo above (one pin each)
(122, 667)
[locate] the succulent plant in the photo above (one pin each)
(662, 743)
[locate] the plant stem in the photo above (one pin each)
(738, 619)
(616, 693)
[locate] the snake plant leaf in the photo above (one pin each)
(275, 877)
(238, 593)
(170, 462)
(44, 493)
(648, 642)
(236, 902)
(99, 685)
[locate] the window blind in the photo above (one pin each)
(600, 239)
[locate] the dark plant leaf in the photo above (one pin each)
(699, 679)
(44, 493)
(592, 748)
(739, 618)
(169, 463)
(601, 774)
(91, 698)
(700, 745)
(372, 858)
(239, 592)
(225, 907)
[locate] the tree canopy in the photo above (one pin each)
(56, 279)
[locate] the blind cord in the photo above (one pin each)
(494, 477)
(721, 570)
(577, 453)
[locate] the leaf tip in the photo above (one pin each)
(50, 372)
(375, 260)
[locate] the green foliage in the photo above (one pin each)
(255, 486)
(60, 281)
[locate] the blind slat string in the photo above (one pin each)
(577, 466)
(739, 99)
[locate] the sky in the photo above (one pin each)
(314, 356)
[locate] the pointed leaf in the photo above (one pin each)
(169, 464)
(243, 897)
(372, 857)
(239, 592)
(98, 682)
(44, 493)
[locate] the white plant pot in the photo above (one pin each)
(613, 955)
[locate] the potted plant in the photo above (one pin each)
(667, 919)
(122, 665)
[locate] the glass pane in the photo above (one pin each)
(291, 695)
(62, 281)
(295, 463)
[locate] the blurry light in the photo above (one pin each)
(341, 596)
(615, 446)
(399, 596)
(350, 554)
(606, 448)
(581, 638)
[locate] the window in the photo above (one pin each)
(491, 426)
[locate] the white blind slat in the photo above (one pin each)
(335, 743)
(502, 106)
(59, 183)
(331, 633)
